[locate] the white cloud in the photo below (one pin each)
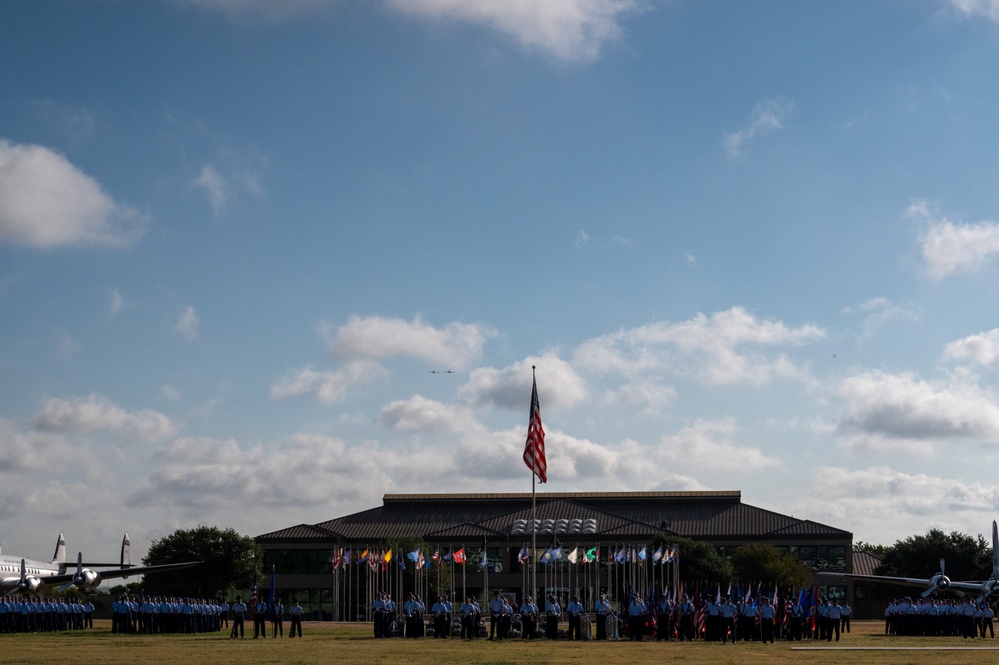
(916, 502)
(568, 30)
(98, 413)
(878, 313)
(558, 385)
(581, 239)
(327, 387)
(231, 177)
(707, 446)
(988, 9)
(898, 411)
(422, 415)
(115, 301)
(202, 476)
(46, 202)
(982, 348)
(947, 247)
(188, 323)
(709, 348)
(31, 451)
(214, 187)
(455, 345)
(768, 115)
(648, 393)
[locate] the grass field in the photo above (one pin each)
(352, 643)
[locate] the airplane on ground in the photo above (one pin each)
(984, 588)
(31, 576)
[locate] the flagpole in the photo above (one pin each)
(534, 517)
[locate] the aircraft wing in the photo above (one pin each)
(904, 581)
(121, 572)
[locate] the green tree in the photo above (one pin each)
(228, 561)
(966, 557)
(764, 563)
(699, 561)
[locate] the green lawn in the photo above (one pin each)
(352, 643)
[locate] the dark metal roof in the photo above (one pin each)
(714, 515)
(300, 532)
(864, 563)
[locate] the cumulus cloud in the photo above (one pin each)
(650, 394)
(31, 451)
(711, 348)
(188, 323)
(982, 348)
(948, 247)
(421, 415)
(98, 413)
(568, 30)
(306, 470)
(768, 115)
(329, 386)
(46, 202)
(916, 503)
(899, 411)
(510, 387)
(455, 345)
(708, 446)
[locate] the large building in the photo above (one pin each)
(492, 530)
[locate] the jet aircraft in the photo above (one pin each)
(984, 588)
(23, 575)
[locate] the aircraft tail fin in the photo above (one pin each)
(60, 552)
(126, 552)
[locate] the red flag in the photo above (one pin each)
(459, 556)
(534, 449)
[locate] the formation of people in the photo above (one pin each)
(933, 617)
(27, 614)
(163, 614)
(720, 619)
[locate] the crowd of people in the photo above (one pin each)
(932, 617)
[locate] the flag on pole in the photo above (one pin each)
(573, 556)
(485, 560)
(522, 557)
(421, 561)
(534, 449)
(459, 556)
(593, 554)
(414, 556)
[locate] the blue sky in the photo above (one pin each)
(747, 245)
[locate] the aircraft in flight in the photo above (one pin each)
(22, 575)
(984, 588)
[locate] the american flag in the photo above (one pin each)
(534, 449)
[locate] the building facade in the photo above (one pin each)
(490, 533)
